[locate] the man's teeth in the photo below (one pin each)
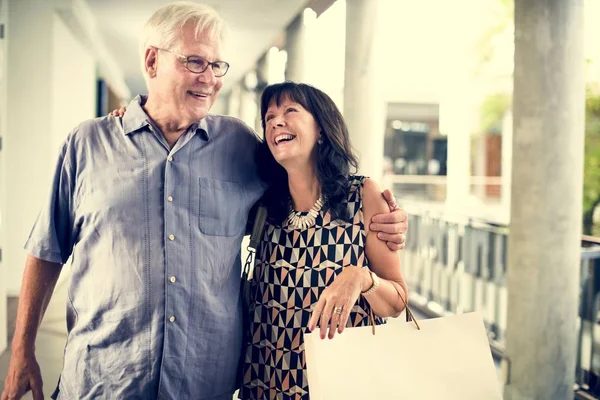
(282, 138)
(197, 94)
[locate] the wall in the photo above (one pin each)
(28, 124)
(74, 83)
(51, 87)
(74, 87)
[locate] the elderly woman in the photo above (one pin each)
(318, 264)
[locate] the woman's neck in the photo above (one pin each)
(305, 189)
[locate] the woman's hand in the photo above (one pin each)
(333, 307)
(118, 113)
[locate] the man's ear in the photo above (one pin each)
(151, 61)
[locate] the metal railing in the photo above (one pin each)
(433, 187)
(460, 266)
(588, 344)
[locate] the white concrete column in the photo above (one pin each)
(546, 204)
(364, 107)
(247, 103)
(328, 43)
(455, 114)
(507, 140)
(221, 105)
(262, 77)
(242, 102)
(276, 61)
(3, 110)
(459, 100)
(295, 45)
(248, 107)
(233, 108)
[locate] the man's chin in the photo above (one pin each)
(199, 113)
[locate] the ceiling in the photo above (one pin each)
(254, 26)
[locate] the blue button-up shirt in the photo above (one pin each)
(154, 237)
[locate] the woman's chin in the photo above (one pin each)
(293, 163)
(283, 162)
(282, 158)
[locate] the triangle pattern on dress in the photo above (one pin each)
(292, 270)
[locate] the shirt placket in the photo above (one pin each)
(177, 253)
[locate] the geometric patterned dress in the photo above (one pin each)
(293, 268)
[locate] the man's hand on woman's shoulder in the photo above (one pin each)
(393, 226)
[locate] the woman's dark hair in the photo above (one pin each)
(334, 159)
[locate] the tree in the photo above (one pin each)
(591, 169)
(493, 109)
(494, 104)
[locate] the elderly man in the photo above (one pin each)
(151, 208)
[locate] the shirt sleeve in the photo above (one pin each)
(52, 236)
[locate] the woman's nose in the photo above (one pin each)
(278, 122)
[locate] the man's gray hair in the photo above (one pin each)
(165, 27)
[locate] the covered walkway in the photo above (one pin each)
(411, 91)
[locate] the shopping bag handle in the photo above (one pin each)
(409, 314)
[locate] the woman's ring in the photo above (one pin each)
(337, 310)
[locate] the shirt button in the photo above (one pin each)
(171, 237)
(172, 318)
(172, 279)
(170, 198)
(170, 158)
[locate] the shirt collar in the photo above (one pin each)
(135, 118)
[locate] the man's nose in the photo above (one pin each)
(208, 76)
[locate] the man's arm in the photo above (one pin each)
(39, 280)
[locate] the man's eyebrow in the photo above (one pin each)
(205, 57)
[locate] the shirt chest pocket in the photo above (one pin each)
(222, 210)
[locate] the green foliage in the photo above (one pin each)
(504, 20)
(492, 112)
(494, 106)
(591, 171)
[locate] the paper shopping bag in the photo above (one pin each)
(449, 358)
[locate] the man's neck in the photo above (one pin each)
(171, 127)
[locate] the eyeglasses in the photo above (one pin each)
(198, 65)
